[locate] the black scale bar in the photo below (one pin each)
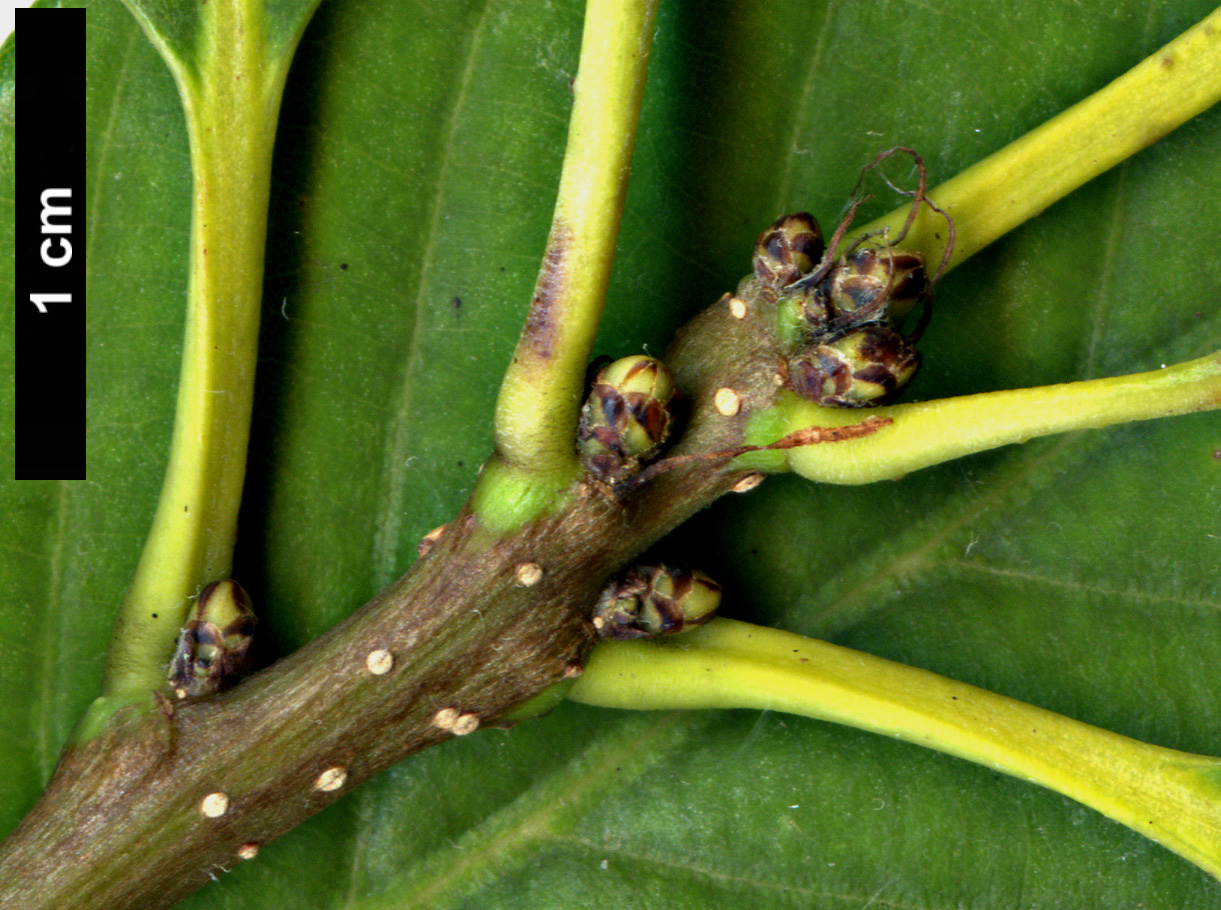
(49, 267)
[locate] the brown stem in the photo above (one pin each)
(171, 793)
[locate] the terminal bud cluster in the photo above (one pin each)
(841, 313)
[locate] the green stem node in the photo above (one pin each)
(1171, 797)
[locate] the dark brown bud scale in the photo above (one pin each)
(214, 646)
(862, 369)
(875, 284)
(626, 418)
(838, 321)
(656, 600)
(789, 250)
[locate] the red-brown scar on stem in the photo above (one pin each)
(804, 437)
(814, 435)
(539, 335)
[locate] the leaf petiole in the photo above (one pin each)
(929, 432)
(229, 60)
(994, 196)
(536, 411)
(1171, 797)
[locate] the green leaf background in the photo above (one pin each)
(416, 165)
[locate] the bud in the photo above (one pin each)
(656, 600)
(802, 314)
(626, 417)
(789, 250)
(214, 646)
(864, 368)
(875, 284)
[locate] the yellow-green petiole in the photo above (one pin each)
(540, 396)
(929, 432)
(994, 196)
(1171, 797)
(231, 79)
